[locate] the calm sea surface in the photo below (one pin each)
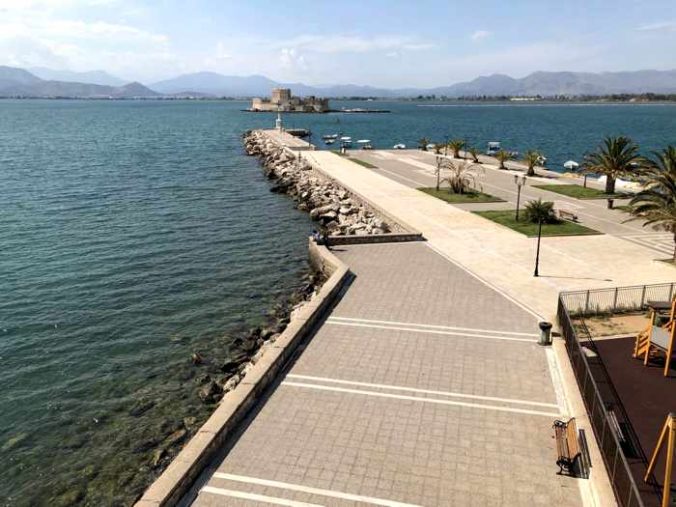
(133, 233)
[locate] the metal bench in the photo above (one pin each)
(567, 446)
(567, 215)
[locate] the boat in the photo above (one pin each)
(493, 148)
(329, 141)
(399, 146)
(330, 136)
(298, 132)
(571, 165)
(366, 144)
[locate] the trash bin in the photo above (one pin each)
(545, 333)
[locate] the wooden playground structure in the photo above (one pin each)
(669, 434)
(658, 338)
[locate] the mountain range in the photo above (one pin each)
(43, 82)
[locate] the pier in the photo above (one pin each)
(420, 380)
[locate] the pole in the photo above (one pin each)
(518, 198)
(537, 254)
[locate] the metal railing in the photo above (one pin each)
(615, 300)
(589, 380)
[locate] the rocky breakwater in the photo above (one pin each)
(338, 212)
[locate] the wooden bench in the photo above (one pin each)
(567, 446)
(567, 215)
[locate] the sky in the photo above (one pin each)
(422, 43)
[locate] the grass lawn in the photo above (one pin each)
(579, 192)
(563, 228)
(470, 196)
(364, 163)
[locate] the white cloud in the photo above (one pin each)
(664, 26)
(352, 43)
(291, 58)
(480, 35)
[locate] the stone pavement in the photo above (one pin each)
(423, 387)
(497, 254)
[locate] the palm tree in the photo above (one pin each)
(531, 158)
(456, 145)
(474, 153)
(656, 203)
(540, 211)
(442, 163)
(503, 156)
(422, 143)
(615, 157)
(438, 147)
(462, 175)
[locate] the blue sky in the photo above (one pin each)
(381, 43)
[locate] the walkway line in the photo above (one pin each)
(425, 391)
(312, 491)
(430, 326)
(256, 497)
(431, 331)
(424, 400)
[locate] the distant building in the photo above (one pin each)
(282, 100)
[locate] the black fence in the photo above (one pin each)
(615, 300)
(603, 405)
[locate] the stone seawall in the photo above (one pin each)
(338, 212)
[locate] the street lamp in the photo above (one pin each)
(519, 181)
(537, 252)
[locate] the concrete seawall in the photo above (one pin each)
(179, 476)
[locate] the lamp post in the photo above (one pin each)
(519, 181)
(537, 252)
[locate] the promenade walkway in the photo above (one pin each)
(424, 386)
(502, 257)
(415, 168)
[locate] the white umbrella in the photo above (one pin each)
(571, 164)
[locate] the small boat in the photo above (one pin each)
(366, 144)
(571, 165)
(330, 136)
(493, 148)
(329, 141)
(399, 146)
(346, 138)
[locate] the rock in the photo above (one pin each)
(176, 437)
(145, 446)
(210, 393)
(141, 408)
(189, 422)
(345, 210)
(231, 383)
(89, 472)
(196, 358)
(14, 441)
(158, 454)
(70, 497)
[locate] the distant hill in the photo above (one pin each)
(565, 83)
(99, 77)
(21, 83)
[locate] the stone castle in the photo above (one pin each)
(282, 100)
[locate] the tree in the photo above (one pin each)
(615, 157)
(656, 203)
(422, 143)
(456, 145)
(442, 163)
(474, 153)
(531, 158)
(438, 147)
(540, 211)
(503, 156)
(462, 175)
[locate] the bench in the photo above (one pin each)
(567, 215)
(567, 447)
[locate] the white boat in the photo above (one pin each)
(329, 141)
(400, 146)
(571, 165)
(330, 136)
(364, 141)
(346, 139)
(493, 147)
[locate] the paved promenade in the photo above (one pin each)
(423, 387)
(497, 254)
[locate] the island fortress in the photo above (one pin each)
(282, 100)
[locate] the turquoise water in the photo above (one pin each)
(134, 233)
